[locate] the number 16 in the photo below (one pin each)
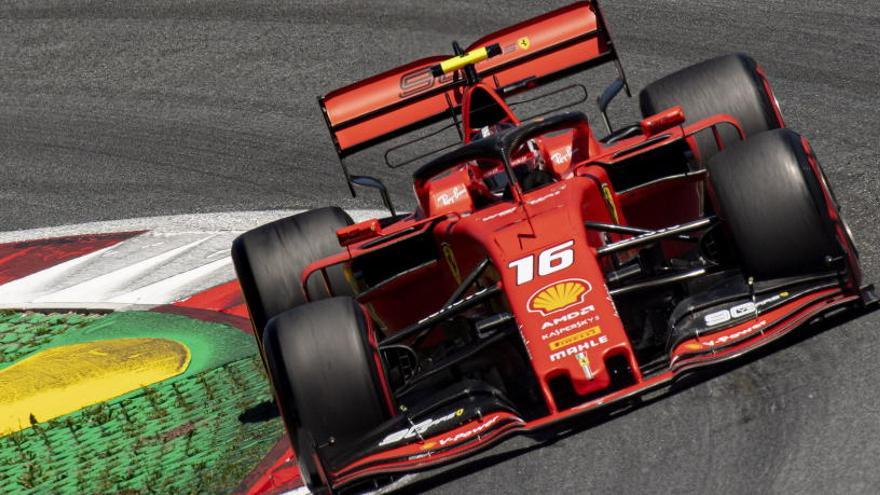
(551, 260)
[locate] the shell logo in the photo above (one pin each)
(558, 296)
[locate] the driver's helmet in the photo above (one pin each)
(532, 161)
(491, 130)
(524, 166)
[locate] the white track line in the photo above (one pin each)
(173, 288)
(105, 287)
(25, 290)
(179, 256)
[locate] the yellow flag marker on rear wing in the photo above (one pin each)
(472, 57)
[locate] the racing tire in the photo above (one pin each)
(730, 84)
(327, 378)
(773, 206)
(270, 259)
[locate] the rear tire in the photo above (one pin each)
(729, 84)
(270, 259)
(773, 206)
(327, 379)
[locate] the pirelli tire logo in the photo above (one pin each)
(574, 338)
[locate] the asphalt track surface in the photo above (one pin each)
(113, 110)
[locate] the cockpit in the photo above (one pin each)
(495, 167)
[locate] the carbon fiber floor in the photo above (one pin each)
(116, 109)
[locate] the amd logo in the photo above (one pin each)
(586, 310)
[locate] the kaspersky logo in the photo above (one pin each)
(559, 296)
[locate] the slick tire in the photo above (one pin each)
(773, 206)
(730, 84)
(327, 377)
(270, 259)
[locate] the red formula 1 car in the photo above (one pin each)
(547, 270)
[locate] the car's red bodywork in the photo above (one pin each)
(550, 269)
(548, 217)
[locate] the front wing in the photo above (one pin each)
(465, 421)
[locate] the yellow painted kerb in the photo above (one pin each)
(64, 379)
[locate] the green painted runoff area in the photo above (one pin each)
(199, 432)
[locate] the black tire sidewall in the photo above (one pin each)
(270, 259)
(322, 367)
(772, 205)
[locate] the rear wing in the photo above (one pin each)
(535, 52)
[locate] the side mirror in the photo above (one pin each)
(374, 183)
(605, 98)
(655, 124)
(362, 231)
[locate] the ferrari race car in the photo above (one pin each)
(550, 268)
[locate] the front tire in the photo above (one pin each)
(773, 206)
(327, 377)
